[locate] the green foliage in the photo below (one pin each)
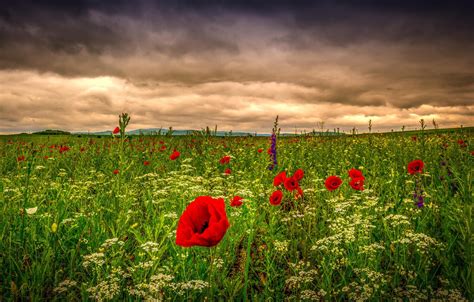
(71, 229)
(124, 119)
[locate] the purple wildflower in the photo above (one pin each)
(273, 152)
(418, 194)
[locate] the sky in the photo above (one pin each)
(76, 65)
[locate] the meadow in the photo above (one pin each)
(95, 218)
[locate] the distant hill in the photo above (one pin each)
(52, 132)
(162, 131)
(156, 131)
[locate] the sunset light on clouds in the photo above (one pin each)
(76, 65)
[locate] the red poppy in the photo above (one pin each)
(64, 149)
(276, 197)
(332, 183)
(227, 171)
(146, 163)
(269, 151)
(116, 171)
(279, 179)
(116, 130)
(20, 158)
(236, 201)
(462, 143)
(357, 183)
(225, 160)
(260, 150)
(416, 166)
(291, 183)
(175, 155)
(300, 192)
(203, 223)
(299, 174)
(414, 138)
(354, 173)
(163, 147)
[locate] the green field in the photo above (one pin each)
(71, 229)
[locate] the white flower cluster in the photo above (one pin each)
(96, 259)
(155, 289)
(245, 192)
(413, 293)
(302, 278)
(171, 234)
(218, 263)
(147, 175)
(422, 242)
(281, 246)
(193, 285)
(448, 295)
(112, 242)
(408, 274)
(368, 284)
(141, 266)
(394, 220)
(293, 216)
(150, 247)
(171, 215)
(64, 286)
(105, 290)
(68, 221)
(371, 250)
(235, 214)
(311, 295)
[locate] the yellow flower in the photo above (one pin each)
(134, 225)
(54, 227)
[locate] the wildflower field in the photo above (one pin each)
(182, 218)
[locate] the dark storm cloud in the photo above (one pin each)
(236, 63)
(56, 36)
(346, 21)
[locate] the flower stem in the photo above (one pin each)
(211, 265)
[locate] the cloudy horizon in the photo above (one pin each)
(76, 65)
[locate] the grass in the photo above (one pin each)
(72, 230)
